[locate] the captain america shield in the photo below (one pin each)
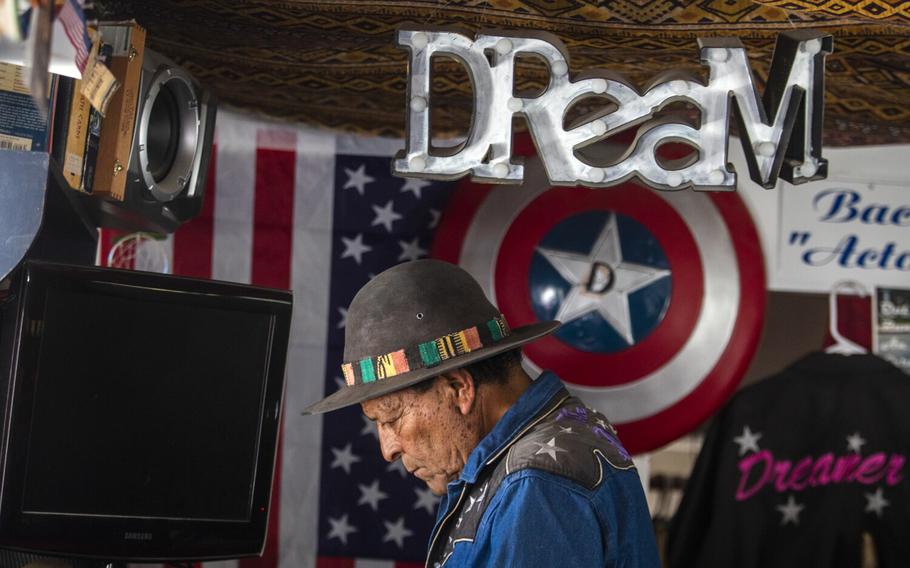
(661, 294)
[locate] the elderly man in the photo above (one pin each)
(529, 475)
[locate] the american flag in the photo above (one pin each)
(72, 18)
(320, 214)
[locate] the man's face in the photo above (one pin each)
(427, 431)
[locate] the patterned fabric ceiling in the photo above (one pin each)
(335, 63)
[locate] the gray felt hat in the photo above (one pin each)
(414, 321)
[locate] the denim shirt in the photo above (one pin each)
(546, 516)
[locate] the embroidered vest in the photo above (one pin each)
(567, 438)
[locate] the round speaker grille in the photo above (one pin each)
(163, 134)
(168, 133)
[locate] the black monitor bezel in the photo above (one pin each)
(128, 538)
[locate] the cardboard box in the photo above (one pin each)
(115, 144)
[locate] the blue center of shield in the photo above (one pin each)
(605, 276)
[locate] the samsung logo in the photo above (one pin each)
(137, 536)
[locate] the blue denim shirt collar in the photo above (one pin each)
(528, 405)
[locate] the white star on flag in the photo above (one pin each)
(396, 465)
(357, 179)
(550, 448)
(343, 312)
(396, 532)
(747, 441)
(855, 443)
(613, 302)
(426, 500)
(341, 529)
(354, 248)
(411, 250)
(414, 185)
(790, 511)
(344, 458)
(385, 216)
(434, 218)
(371, 495)
(876, 502)
(369, 429)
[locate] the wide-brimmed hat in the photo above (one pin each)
(414, 321)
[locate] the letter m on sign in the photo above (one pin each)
(782, 133)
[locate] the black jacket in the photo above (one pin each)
(797, 467)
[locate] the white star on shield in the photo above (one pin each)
(601, 280)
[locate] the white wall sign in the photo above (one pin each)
(843, 230)
(781, 133)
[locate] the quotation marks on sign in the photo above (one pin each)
(846, 207)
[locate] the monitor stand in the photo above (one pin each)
(16, 559)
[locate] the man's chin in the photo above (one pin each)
(439, 484)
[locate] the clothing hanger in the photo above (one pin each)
(842, 345)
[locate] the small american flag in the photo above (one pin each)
(320, 214)
(72, 17)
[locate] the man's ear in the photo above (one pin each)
(460, 387)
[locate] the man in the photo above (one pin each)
(529, 476)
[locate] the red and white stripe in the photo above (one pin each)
(266, 220)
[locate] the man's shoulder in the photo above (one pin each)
(573, 442)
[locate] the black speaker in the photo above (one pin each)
(172, 145)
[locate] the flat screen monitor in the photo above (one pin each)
(141, 413)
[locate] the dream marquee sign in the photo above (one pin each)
(781, 133)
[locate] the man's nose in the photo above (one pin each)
(388, 444)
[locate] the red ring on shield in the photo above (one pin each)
(513, 265)
(720, 383)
